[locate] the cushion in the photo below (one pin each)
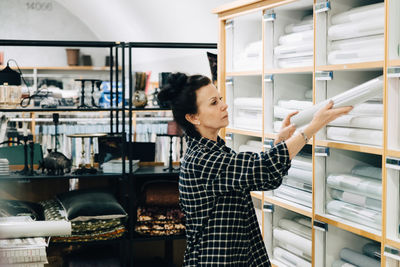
(21, 208)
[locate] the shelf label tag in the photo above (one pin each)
(268, 207)
(321, 151)
(393, 72)
(393, 163)
(270, 15)
(322, 7)
(323, 75)
(268, 143)
(228, 136)
(229, 81)
(228, 24)
(321, 226)
(392, 253)
(268, 78)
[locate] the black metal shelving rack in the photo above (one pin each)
(116, 114)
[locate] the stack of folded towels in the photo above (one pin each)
(357, 196)
(285, 107)
(295, 48)
(297, 184)
(357, 35)
(370, 256)
(250, 58)
(293, 245)
(94, 215)
(247, 113)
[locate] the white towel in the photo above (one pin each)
(253, 49)
(295, 55)
(356, 55)
(373, 26)
(368, 217)
(360, 13)
(296, 62)
(290, 259)
(353, 135)
(298, 242)
(359, 121)
(356, 184)
(295, 38)
(374, 41)
(293, 48)
(372, 109)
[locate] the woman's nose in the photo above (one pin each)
(224, 106)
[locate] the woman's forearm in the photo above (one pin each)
(297, 142)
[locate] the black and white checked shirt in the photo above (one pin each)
(214, 186)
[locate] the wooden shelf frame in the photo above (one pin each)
(351, 147)
(300, 209)
(244, 73)
(352, 66)
(290, 70)
(243, 132)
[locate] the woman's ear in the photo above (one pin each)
(192, 118)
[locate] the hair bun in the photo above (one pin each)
(175, 84)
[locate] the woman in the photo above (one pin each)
(215, 182)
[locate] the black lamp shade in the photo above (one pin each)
(7, 75)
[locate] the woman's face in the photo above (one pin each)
(212, 113)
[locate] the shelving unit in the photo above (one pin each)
(327, 76)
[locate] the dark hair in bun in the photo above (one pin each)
(180, 93)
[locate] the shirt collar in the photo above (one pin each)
(213, 145)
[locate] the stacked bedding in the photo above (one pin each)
(250, 58)
(293, 245)
(295, 48)
(370, 256)
(357, 196)
(297, 184)
(248, 113)
(357, 35)
(94, 215)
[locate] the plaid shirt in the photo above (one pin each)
(214, 185)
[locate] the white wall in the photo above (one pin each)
(117, 20)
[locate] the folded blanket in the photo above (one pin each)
(253, 49)
(305, 24)
(296, 62)
(357, 214)
(300, 174)
(295, 38)
(359, 121)
(368, 108)
(295, 195)
(356, 199)
(295, 104)
(296, 241)
(373, 26)
(356, 55)
(293, 182)
(374, 41)
(293, 48)
(356, 184)
(358, 259)
(361, 13)
(295, 55)
(290, 259)
(353, 135)
(296, 228)
(302, 162)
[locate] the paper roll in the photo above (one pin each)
(356, 95)
(35, 228)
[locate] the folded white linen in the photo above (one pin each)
(374, 41)
(354, 135)
(302, 162)
(303, 220)
(351, 97)
(295, 62)
(358, 259)
(361, 185)
(368, 217)
(295, 195)
(372, 109)
(295, 104)
(298, 184)
(372, 26)
(298, 242)
(294, 48)
(300, 175)
(340, 263)
(248, 102)
(356, 199)
(246, 122)
(243, 63)
(294, 55)
(290, 259)
(356, 55)
(296, 228)
(297, 37)
(253, 49)
(360, 13)
(293, 250)
(359, 121)
(368, 171)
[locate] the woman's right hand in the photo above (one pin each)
(327, 114)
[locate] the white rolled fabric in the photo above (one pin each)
(295, 104)
(356, 199)
(373, 26)
(358, 259)
(368, 171)
(293, 48)
(295, 38)
(296, 228)
(356, 184)
(360, 13)
(34, 229)
(290, 259)
(367, 217)
(340, 263)
(374, 41)
(293, 182)
(302, 162)
(356, 55)
(371, 109)
(359, 121)
(351, 97)
(296, 241)
(295, 195)
(296, 62)
(248, 102)
(302, 175)
(353, 135)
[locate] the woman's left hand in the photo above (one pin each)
(287, 129)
